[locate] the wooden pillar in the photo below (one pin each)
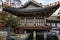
(25, 21)
(56, 24)
(34, 21)
(45, 36)
(59, 31)
(37, 21)
(21, 30)
(45, 20)
(34, 35)
(50, 24)
(25, 32)
(40, 22)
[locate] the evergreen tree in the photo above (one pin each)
(12, 21)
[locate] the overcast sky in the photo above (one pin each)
(45, 2)
(40, 1)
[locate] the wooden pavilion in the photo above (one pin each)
(33, 15)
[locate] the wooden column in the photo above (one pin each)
(25, 21)
(56, 24)
(34, 21)
(45, 20)
(41, 21)
(50, 24)
(34, 35)
(45, 36)
(25, 31)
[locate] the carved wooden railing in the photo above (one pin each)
(32, 22)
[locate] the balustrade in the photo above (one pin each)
(32, 21)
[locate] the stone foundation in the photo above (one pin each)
(3, 35)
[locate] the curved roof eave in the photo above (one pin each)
(47, 10)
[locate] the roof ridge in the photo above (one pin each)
(34, 2)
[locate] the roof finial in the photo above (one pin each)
(30, 0)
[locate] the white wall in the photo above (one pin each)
(56, 12)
